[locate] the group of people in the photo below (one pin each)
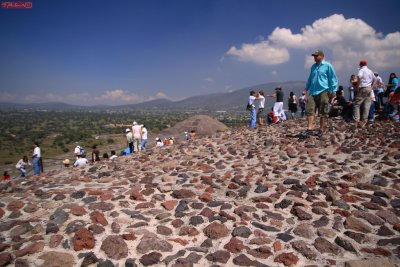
(349, 108)
(322, 92)
(81, 158)
(256, 104)
(136, 138)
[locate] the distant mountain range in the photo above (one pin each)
(230, 101)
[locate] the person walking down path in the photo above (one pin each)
(22, 165)
(363, 96)
(137, 136)
(36, 159)
(321, 85)
(252, 108)
(144, 137)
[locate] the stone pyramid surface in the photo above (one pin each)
(203, 125)
(241, 198)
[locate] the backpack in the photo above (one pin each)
(249, 107)
(291, 100)
(83, 152)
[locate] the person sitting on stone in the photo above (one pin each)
(80, 161)
(113, 156)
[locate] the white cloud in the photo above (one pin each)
(110, 97)
(347, 41)
(159, 95)
(7, 97)
(263, 53)
(209, 79)
(118, 95)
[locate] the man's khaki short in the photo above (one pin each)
(319, 102)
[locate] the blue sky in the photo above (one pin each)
(121, 52)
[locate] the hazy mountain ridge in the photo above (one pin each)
(234, 100)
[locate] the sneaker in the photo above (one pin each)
(320, 134)
(302, 135)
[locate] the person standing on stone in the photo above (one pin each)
(352, 84)
(144, 138)
(378, 91)
(292, 100)
(363, 97)
(36, 158)
(302, 102)
(278, 106)
(321, 85)
(137, 136)
(129, 140)
(252, 109)
(261, 102)
(95, 154)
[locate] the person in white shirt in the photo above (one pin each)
(80, 161)
(113, 156)
(252, 109)
(261, 103)
(144, 138)
(378, 91)
(363, 97)
(36, 158)
(137, 136)
(22, 165)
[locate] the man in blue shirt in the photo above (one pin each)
(321, 85)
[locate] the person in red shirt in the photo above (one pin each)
(6, 176)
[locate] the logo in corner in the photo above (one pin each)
(16, 5)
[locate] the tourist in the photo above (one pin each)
(80, 161)
(95, 154)
(22, 165)
(113, 156)
(193, 134)
(341, 106)
(352, 85)
(129, 140)
(371, 113)
(79, 150)
(251, 107)
(303, 101)
(144, 138)
(292, 100)
(278, 106)
(7, 184)
(159, 143)
(137, 136)
(321, 85)
(392, 84)
(6, 176)
(378, 91)
(363, 96)
(66, 163)
(261, 103)
(36, 159)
